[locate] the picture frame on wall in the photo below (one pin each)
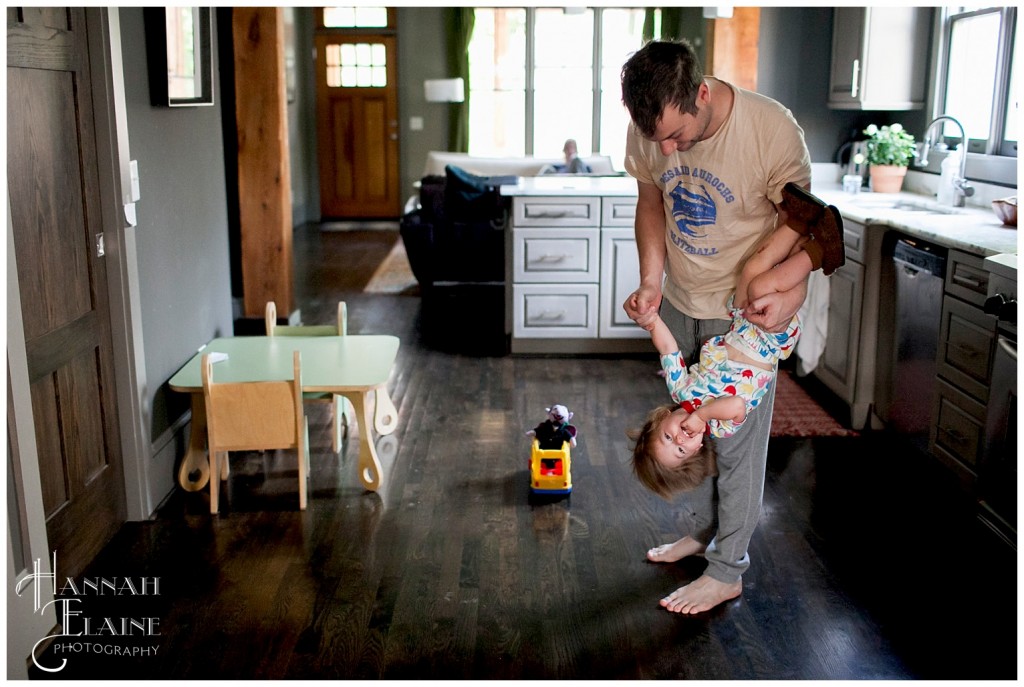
(179, 53)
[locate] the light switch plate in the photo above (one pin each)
(416, 123)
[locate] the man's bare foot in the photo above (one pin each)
(678, 550)
(702, 594)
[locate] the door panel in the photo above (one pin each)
(53, 186)
(357, 125)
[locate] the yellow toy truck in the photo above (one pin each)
(550, 460)
(550, 469)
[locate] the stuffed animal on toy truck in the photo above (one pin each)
(550, 456)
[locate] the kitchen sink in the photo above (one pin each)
(903, 205)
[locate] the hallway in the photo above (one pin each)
(867, 564)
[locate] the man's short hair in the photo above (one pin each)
(660, 74)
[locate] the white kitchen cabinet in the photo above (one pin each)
(967, 348)
(620, 276)
(847, 365)
(879, 58)
(573, 263)
(838, 364)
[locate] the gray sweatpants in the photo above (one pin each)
(723, 511)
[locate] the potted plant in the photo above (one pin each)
(890, 149)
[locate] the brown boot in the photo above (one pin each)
(828, 232)
(802, 209)
(806, 214)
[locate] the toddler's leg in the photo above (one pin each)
(785, 276)
(774, 249)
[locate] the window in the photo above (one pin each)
(978, 84)
(538, 76)
(351, 65)
(355, 17)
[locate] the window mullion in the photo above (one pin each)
(596, 72)
(1002, 82)
(531, 27)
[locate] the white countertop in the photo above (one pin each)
(970, 229)
(571, 185)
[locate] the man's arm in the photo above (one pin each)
(649, 228)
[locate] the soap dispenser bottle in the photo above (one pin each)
(948, 171)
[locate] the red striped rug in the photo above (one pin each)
(796, 414)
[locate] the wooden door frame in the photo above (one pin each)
(358, 34)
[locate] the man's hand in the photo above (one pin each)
(773, 312)
(642, 306)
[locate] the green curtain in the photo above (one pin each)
(671, 19)
(460, 30)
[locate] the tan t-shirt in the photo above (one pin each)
(719, 197)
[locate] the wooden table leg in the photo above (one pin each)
(385, 415)
(369, 463)
(194, 473)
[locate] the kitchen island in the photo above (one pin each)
(573, 264)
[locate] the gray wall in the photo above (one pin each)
(794, 57)
(182, 237)
(421, 55)
(302, 116)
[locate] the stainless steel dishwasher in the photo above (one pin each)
(920, 269)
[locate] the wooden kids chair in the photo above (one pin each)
(339, 415)
(254, 416)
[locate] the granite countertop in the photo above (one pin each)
(970, 229)
(572, 185)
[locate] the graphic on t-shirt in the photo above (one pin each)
(692, 210)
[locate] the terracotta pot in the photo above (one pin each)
(887, 178)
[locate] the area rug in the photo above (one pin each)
(393, 275)
(796, 414)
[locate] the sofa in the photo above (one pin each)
(457, 232)
(528, 166)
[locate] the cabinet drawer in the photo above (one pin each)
(966, 277)
(549, 311)
(556, 211)
(959, 427)
(555, 255)
(853, 240)
(618, 212)
(967, 340)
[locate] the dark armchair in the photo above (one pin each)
(457, 235)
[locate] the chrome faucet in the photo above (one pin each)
(960, 183)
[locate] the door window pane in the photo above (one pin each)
(356, 65)
(355, 17)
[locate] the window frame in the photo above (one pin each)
(994, 159)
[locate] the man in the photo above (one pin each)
(710, 162)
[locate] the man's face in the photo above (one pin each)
(679, 131)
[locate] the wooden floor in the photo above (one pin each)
(867, 563)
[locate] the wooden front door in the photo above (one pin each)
(53, 187)
(357, 125)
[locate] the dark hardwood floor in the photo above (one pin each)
(868, 562)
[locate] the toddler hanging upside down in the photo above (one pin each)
(734, 371)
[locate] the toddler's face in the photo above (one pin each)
(675, 445)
